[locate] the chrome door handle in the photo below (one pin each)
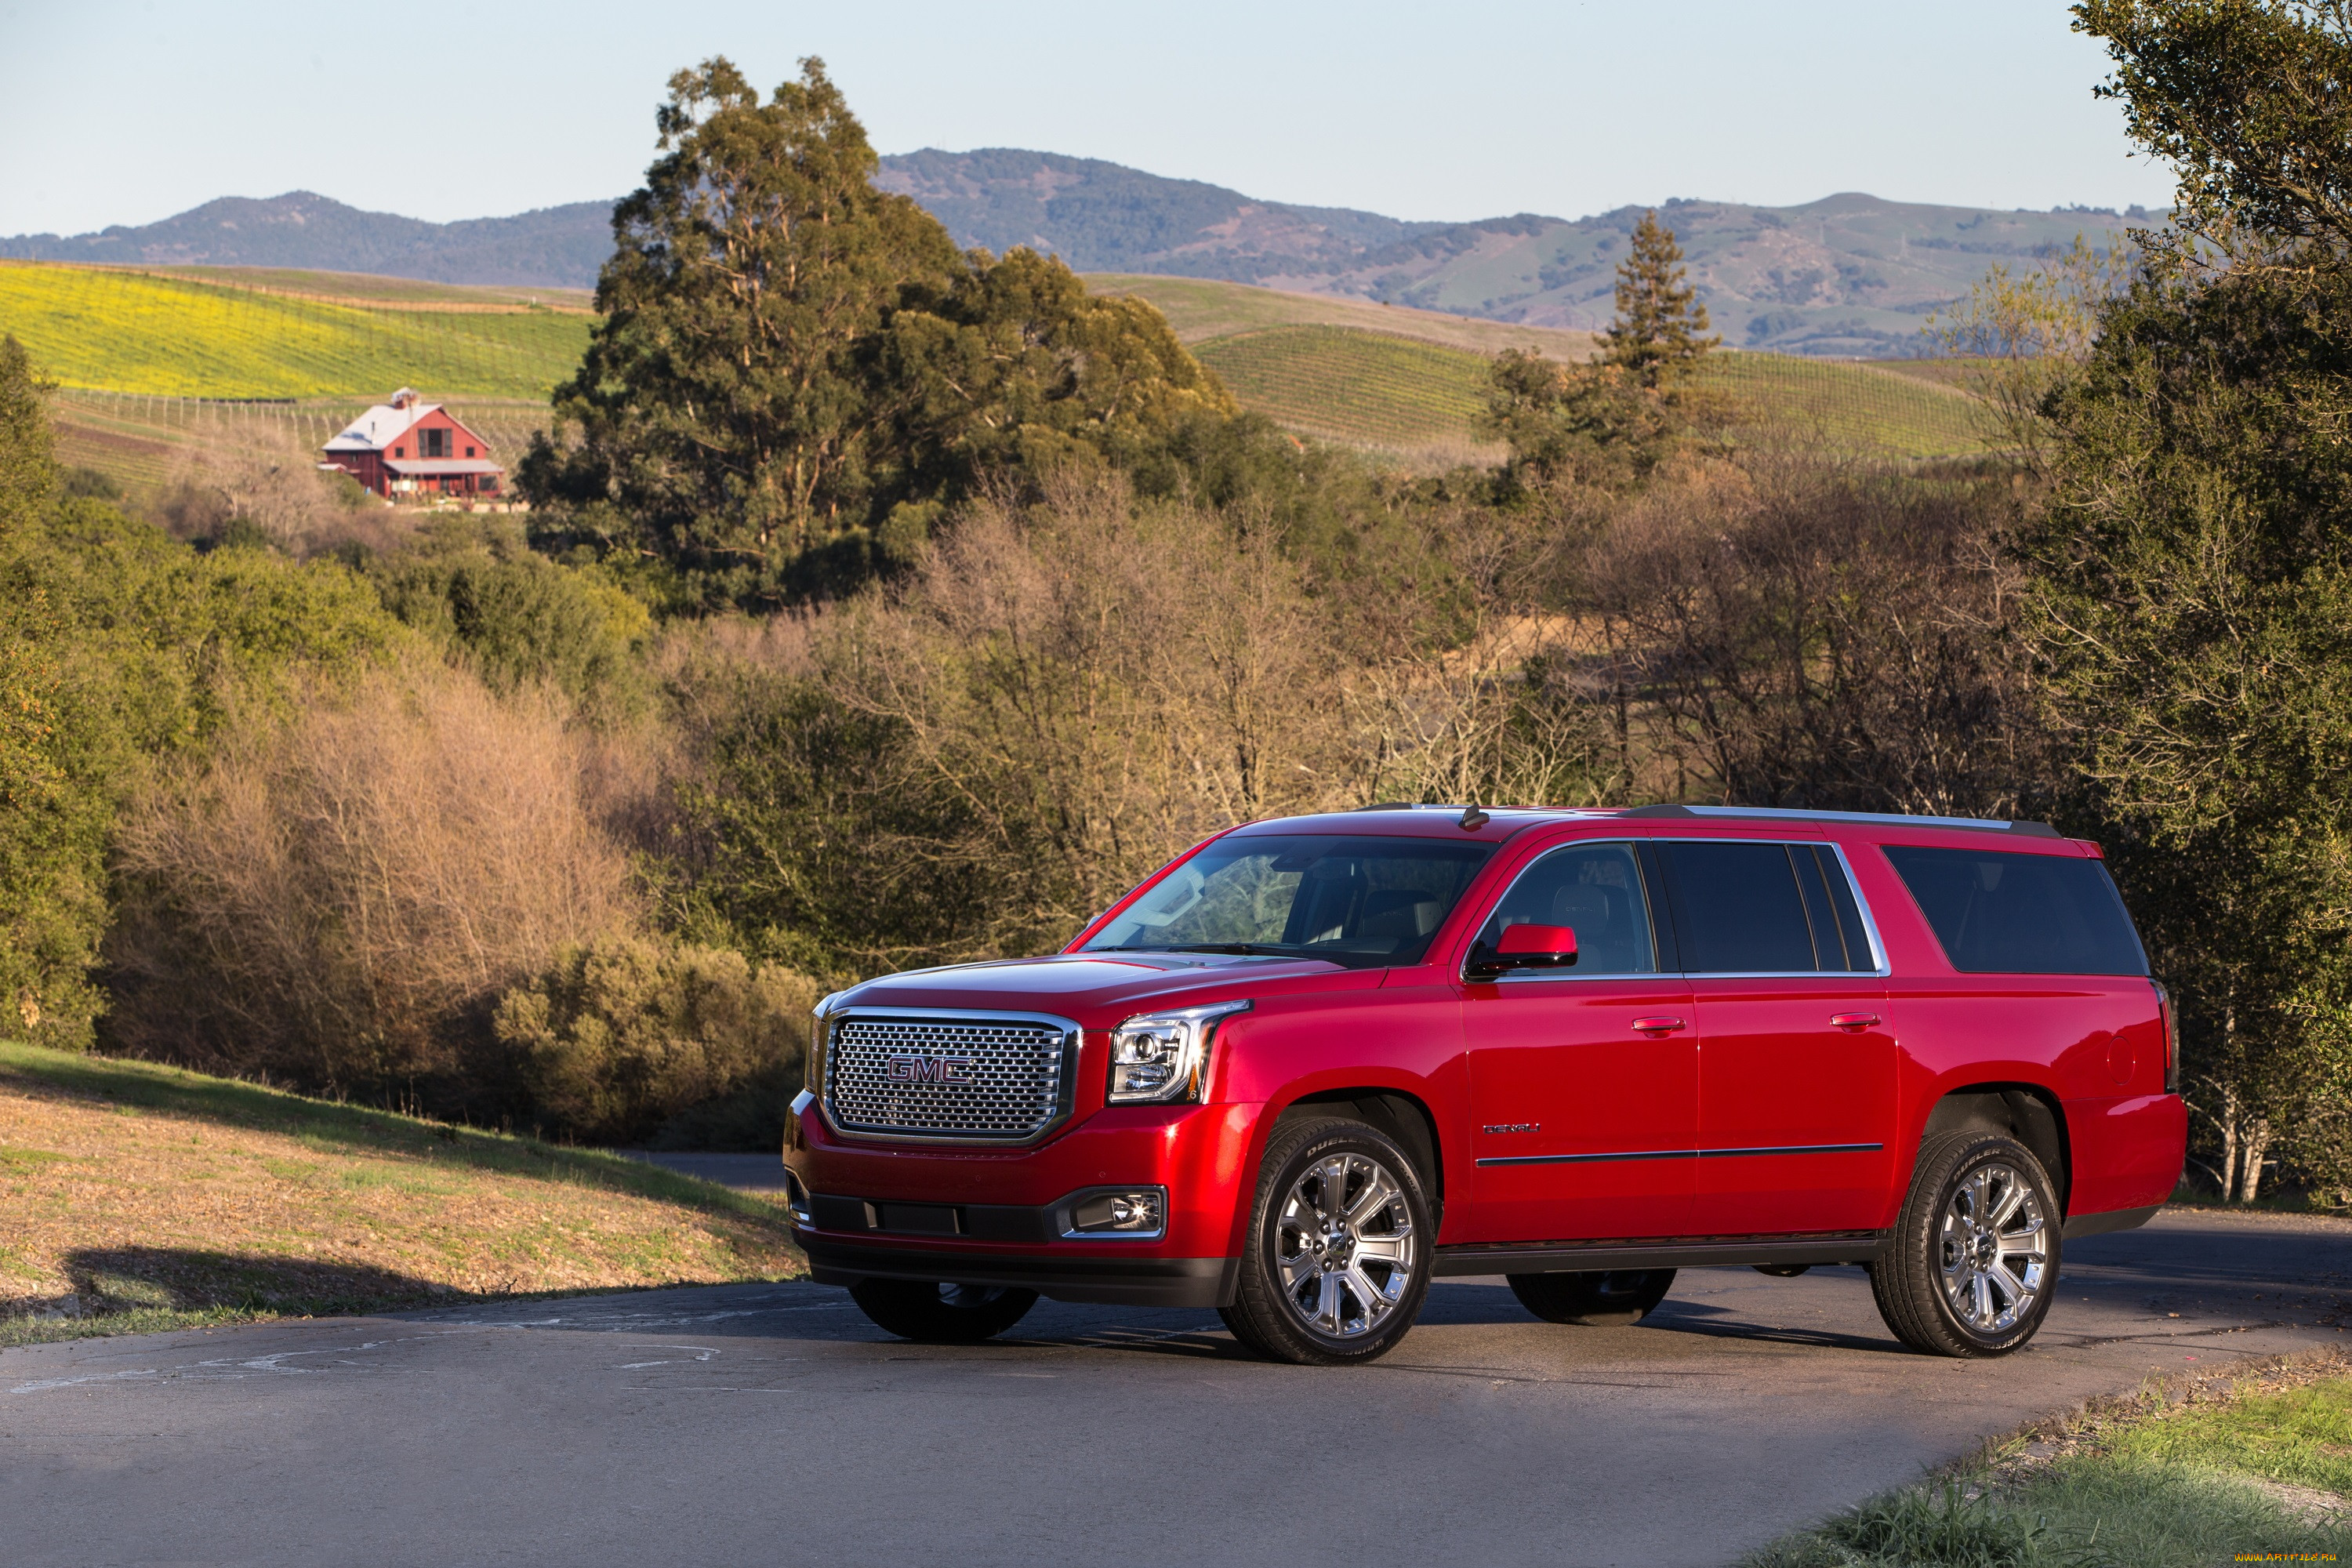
(1657, 1026)
(1853, 1020)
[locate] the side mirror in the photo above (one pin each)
(1526, 947)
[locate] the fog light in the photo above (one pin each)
(1140, 1211)
(796, 1199)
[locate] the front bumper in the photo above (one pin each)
(996, 1217)
(1116, 1281)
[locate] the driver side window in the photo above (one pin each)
(1595, 889)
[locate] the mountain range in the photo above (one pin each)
(1850, 274)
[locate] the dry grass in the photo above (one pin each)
(135, 1196)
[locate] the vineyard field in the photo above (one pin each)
(1366, 389)
(1850, 406)
(180, 336)
(1372, 390)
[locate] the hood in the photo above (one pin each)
(1098, 989)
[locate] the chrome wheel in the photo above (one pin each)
(1993, 1247)
(1343, 1246)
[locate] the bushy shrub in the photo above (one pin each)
(623, 1035)
(516, 617)
(330, 898)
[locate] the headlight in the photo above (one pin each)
(1156, 1058)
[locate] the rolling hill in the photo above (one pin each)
(551, 248)
(150, 358)
(1850, 275)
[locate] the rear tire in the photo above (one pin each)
(1336, 1263)
(1610, 1298)
(1973, 1261)
(941, 1314)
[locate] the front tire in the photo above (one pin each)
(1337, 1260)
(941, 1314)
(1973, 1262)
(1596, 1299)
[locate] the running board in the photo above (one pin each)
(1714, 1251)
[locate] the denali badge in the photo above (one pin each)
(930, 1069)
(1514, 1126)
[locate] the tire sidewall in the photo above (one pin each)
(1953, 1161)
(1274, 1327)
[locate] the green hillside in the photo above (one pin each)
(1856, 406)
(1375, 389)
(1346, 384)
(182, 335)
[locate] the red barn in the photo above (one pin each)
(404, 450)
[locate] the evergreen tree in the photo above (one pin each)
(794, 367)
(1656, 335)
(721, 416)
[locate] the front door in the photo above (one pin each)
(1796, 1064)
(1583, 1081)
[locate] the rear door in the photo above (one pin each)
(1584, 1082)
(1796, 1065)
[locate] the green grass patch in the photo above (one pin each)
(2255, 1473)
(143, 333)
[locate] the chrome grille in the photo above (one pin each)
(976, 1077)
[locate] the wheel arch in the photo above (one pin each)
(1404, 1117)
(2030, 1112)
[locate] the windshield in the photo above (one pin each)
(1364, 903)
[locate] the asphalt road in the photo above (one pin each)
(772, 1425)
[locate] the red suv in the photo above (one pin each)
(1318, 1062)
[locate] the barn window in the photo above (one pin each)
(432, 443)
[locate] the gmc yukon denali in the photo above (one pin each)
(1318, 1062)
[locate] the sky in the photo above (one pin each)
(124, 111)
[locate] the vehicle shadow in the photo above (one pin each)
(111, 1280)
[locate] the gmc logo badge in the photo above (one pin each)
(930, 1069)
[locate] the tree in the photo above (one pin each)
(794, 367)
(1575, 424)
(2245, 98)
(28, 470)
(720, 414)
(1654, 337)
(2191, 593)
(2021, 333)
(1014, 366)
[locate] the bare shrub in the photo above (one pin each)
(231, 474)
(328, 896)
(1062, 696)
(1097, 684)
(1785, 631)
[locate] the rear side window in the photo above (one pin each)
(1764, 908)
(2020, 914)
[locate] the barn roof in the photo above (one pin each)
(379, 428)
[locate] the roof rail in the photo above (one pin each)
(1784, 814)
